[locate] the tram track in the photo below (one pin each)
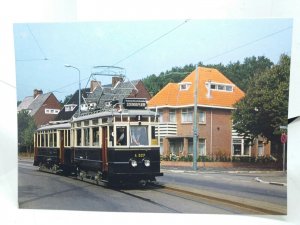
(232, 204)
(229, 203)
(248, 205)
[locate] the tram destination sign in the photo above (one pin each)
(135, 103)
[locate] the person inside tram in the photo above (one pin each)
(121, 136)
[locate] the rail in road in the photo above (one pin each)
(254, 206)
(232, 204)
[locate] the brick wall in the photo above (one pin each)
(216, 130)
(40, 117)
(142, 92)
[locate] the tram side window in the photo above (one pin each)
(42, 140)
(55, 139)
(51, 139)
(78, 137)
(86, 136)
(95, 136)
(139, 135)
(154, 138)
(46, 139)
(121, 136)
(68, 138)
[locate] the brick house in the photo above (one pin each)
(215, 100)
(42, 107)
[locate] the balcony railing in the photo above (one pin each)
(166, 129)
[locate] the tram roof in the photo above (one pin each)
(55, 126)
(139, 112)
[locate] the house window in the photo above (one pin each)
(184, 86)
(228, 88)
(202, 117)
(221, 87)
(70, 107)
(176, 146)
(51, 111)
(172, 116)
(202, 147)
(160, 116)
(187, 115)
(260, 148)
(237, 146)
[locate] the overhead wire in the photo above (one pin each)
(150, 43)
(36, 42)
(247, 44)
(160, 37)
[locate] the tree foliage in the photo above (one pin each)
(265, 106)
(26, 128)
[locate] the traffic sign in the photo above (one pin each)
(283, 138)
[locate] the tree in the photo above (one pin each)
(67, 99)
(26, 128)
(265, 106)
(242, 73)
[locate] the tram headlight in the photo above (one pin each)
(147, 162)
(133, 162)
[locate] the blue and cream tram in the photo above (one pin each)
(117, 145)
(53, 149)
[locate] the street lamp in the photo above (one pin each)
(79, 97)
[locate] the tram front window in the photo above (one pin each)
(139, 135)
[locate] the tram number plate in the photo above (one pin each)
(139, 155)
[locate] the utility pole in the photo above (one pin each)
(195, 127)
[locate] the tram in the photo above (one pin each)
(116, 145)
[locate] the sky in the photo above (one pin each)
(140, 47)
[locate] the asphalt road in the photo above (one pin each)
(38, 190)
(242, 184)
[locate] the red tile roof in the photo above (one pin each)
(172, 96)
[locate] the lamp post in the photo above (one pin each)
(195, 127)
(79, 94)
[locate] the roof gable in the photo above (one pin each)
(38, 102)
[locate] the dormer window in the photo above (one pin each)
(184, 86)
(70, 107)
(219, 86)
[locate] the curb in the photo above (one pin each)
(263, 207)
(268, 182)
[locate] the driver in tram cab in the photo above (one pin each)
(121, 136)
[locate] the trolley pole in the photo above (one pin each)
(195, 127)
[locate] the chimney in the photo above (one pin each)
(37, 92)
(115, 80)
(94, 85)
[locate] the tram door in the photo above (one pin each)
(104, 149)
